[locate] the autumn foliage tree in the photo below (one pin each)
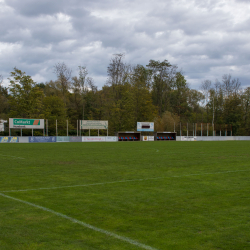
(26, 99)
(156, 92)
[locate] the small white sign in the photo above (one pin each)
(2, 125)
(148, 138)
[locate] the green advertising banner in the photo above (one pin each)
(26, 123)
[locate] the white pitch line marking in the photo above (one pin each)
(122, 181)
(15, 157)
(122, 238)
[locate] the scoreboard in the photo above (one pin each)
(145, 126)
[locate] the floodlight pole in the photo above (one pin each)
(77, 128)
(56, 127)
(187, 129)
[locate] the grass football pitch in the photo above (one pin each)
(125, 195)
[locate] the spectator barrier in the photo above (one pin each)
(53, 139)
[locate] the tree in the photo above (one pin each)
(179, 96)
(81, 85)
(118, 71)
(144, 110)
(206, 87)
(25, 97)
(230, 86)
(163, 75)
(233, 112)
(54, 109)
(3, 100)
(194, 98)
(246, 111)
(167, 122)
(63, 74)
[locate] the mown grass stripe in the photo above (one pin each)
(123, 181)
(11, 156)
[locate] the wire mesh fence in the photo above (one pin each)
(203, 129)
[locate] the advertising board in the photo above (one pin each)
(42, 139)
(145, 126)
(148, 138)
(188, 138)
(26, 123)
(111, 138)
(2, 125)
(91, 124)
(62, 139)
(9, 139)
(75, 139)
(93, 138)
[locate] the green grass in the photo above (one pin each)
(165, 195)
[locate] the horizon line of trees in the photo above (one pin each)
(158, 92)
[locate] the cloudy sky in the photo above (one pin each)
(204, 38)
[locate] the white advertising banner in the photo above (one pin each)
(91, 124)
(26, 123)
(188, 138)
(111, 138)
(93, 138)
(148, 138)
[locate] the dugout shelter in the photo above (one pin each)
(129, 136)
(165, 136)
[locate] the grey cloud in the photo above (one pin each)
(204, 38)
(35, 8)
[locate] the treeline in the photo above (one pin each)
(158, 92)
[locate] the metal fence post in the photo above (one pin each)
(67, 128)
(77, 128)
